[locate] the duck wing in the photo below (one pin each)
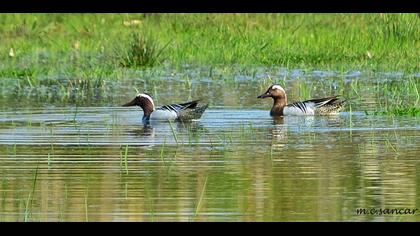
(320, 102)
(177, 107)
(308, 107)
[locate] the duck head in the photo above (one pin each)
(144, 101)
(275, 91)
(278, 94)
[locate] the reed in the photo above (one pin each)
(75, 114)
(173, 132)
(388, 144)
(86, 205)
(126, 159)
(28, 205)
(162, 148)
(198, 206)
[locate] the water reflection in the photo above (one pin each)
(149, 131)
(146, 131)
(232, 165)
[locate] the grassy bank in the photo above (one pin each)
(82, 58)
(109, 45)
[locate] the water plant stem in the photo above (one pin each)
(203, 189)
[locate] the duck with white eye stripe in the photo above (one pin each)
(178, 112)
(322, 106)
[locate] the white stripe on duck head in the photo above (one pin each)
(144, 101)
(280, 88)
(275, 91)
(148, 97)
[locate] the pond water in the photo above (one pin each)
(97, 162)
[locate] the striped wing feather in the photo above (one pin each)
(180, 106)
(319, 102)
(309, 106)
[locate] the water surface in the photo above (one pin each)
(97, 162)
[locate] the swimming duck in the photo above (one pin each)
(322, 106)
(179, 112)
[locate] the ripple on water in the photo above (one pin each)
(232, 165)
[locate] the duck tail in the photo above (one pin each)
(200, 110)
(190, 105)
(193, 114)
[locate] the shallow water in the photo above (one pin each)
(232, 165)
(97, 162)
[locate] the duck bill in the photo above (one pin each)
(131, 103)
(264, 95)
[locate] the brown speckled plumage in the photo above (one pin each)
(321, 106)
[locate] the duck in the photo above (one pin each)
(321, 106)
(171, 112)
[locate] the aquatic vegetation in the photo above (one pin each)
(75, 114)
(398, 98)
(173, 132)
(398, 111)
(388, 143)
(28, 204)
(86, 205)
(124, 158)
(200, 200)
(161, 151)
(350, 120)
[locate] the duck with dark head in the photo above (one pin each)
(178, 112)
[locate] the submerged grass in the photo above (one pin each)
(350, 120)
(124, 158)
(198, 206)
(388, 143)
(173, 132)
(162, 148)
(28, 205)
(86, 205)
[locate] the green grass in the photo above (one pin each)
(143, 51)
(398, 111)
(104, 45)
(79, 58)
(398, 98)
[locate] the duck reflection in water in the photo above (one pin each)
(284, 128)
(278, 132)
(146, 130)
(160, 129)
